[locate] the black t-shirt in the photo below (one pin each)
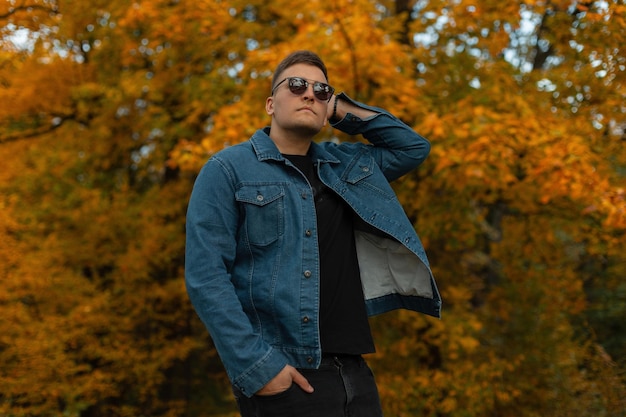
(344, 327)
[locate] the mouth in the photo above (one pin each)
(306, 108)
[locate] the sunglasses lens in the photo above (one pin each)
(322, 91)
(298, 85)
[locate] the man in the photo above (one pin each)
(291, 244)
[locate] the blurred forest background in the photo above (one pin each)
(108, 109)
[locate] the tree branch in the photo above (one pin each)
(53, 8)
(355, 65)
(34, 132)
(405, 7)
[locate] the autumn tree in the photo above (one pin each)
(95, 316)
(108, 109)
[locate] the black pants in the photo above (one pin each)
(344, 387)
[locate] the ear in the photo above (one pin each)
(269, 105)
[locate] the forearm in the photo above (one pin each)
(249, 361)
(397, 147)
(341, 108)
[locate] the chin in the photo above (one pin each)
(307, 130)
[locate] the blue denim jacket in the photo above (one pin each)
(252, 267)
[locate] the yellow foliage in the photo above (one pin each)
(115, 107)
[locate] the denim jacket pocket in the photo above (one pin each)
(263, 208)
(360, 169)
(367, 179)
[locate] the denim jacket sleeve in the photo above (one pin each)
(397, 148)
(212, 223)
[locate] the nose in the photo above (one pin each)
(308, 93)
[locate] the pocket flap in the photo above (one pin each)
(259, 195)
(362, 168)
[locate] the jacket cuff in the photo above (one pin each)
(349, 124)
(258, 375)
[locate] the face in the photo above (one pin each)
(302, 115)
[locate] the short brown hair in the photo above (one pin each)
(299, 57)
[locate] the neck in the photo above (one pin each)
(291, 143)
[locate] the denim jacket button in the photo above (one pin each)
(309, 359)
(307, 274)
(308, 233)
(305, 319)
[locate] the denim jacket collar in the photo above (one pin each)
(266, 149)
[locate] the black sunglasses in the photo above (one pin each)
(298, 86)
